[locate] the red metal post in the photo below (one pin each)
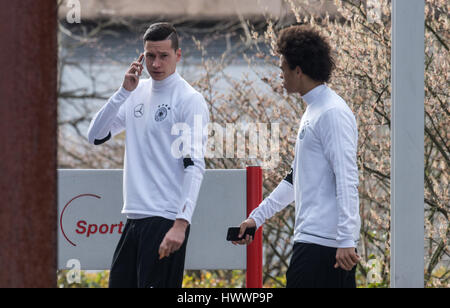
(28, 122)
(255, 249)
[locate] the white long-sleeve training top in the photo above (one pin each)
(324, 176)
(165, 145)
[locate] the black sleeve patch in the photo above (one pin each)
(187, 162)
(98, 142)
(288, 178)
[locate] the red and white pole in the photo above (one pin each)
(255, 249)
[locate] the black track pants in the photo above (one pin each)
(136, 261)
(312, 266)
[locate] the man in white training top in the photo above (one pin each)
(161, 178)
(324, 177)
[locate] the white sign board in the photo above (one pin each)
(90, 220)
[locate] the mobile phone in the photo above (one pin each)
(143, 63)
(233, 233)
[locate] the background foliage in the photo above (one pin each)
(361, 38)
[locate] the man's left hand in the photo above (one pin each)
(346, 258)
(174, 238)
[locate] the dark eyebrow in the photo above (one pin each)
(163, 53)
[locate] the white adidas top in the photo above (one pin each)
(324, 176)
(165, 145)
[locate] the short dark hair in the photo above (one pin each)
(304, 47)
(162, 31)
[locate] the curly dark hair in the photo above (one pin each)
(304, 47)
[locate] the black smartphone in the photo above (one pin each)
(233, 233)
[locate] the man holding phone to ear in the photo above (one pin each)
(323, 180)
(160, 186)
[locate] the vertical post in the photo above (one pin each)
(407, 135)
(254, 250)
(28, 117)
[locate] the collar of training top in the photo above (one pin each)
(165, 83)
(312, 96)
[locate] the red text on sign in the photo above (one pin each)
(89, 229)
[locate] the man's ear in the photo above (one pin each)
(298, 71)
(178, 53)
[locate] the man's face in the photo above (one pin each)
(290, 77)
(161, 59)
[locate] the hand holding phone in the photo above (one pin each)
(246, 232)
(131, 79)
(233, 233)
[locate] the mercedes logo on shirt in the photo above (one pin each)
(139, 111)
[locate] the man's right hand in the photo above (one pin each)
(131, 80)
(248, 223)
